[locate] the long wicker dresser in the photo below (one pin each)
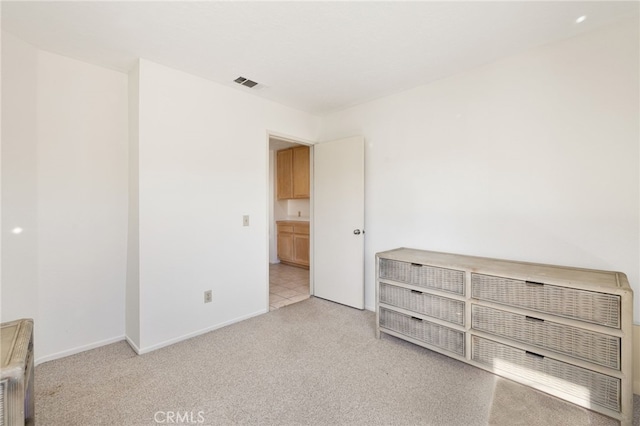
(565, 331)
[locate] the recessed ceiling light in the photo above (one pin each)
(17, 230)
(581, 19)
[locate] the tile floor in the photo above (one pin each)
(287, 285)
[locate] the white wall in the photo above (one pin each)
(276, 209)
(19, 180)
(288, 209)
(534, 157)
(67, 168)
(132, 302)
(299, 208)
(203, 164)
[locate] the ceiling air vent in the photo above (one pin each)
(245, 82)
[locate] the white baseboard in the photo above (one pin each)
(145, 350)
(370, 308)
(78, 349)
(135, 347)
(138, 350)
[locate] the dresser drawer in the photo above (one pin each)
(423, 330)
(443, 308)
(587, 345)
(590, 306)
(423, 275)
(590, 386)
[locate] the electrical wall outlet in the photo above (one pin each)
(208, 296)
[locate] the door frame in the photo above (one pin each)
(271, 197)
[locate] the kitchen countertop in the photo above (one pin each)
(293, 219)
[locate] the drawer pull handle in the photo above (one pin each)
(416, 292)
(535, 354)
(534, 319)
(417, 319)
(533, 284)
(416, 265)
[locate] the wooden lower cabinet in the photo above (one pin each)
(301, 249)
(285, 247)
(293, 243)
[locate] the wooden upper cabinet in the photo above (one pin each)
(301, 172)
(292, 173)
(284, 173)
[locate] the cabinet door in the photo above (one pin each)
(301, 172)
(301, 249)
(285, 246)
(284, 184)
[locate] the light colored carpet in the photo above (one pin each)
(314, 362)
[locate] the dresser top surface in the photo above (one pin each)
(14, 342)
(7, 336)
(609, 281)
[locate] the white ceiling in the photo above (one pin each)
(314, 56)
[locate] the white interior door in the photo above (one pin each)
(338, 221)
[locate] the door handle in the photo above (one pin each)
(357, 232)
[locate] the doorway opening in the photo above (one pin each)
(290, 207)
